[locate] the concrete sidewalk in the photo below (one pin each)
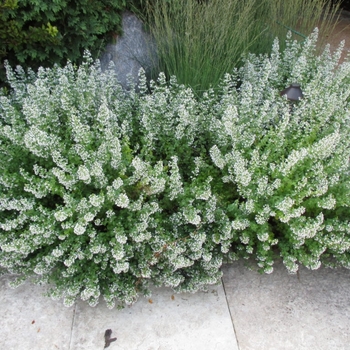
(248, 311)
(308, 311)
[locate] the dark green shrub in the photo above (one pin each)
(41, 33)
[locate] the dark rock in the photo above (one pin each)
(133, 50)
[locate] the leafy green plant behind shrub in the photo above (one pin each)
(103, 192)
(36, 33)
(200, 41)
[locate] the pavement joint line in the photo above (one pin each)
(72, 327)
(229, 310)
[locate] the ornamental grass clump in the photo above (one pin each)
(104, 192)
(200, 41)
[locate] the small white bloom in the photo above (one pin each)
(79, 229)
(268, 269)
(89, 217)
(60, 215)
(263, 236)
(83, 174)
(69, 301)
(240, 224)
(95, 200)
(191, 216)
(117, 183)
(217, 157)
(122, 201)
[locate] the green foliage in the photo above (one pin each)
(200, 41)
(40, 33)
(103, 191)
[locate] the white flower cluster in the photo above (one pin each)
(39, 142)
(84, 174)
(67, 180)
(288, 212)
(238, 168)
(97, 248)
(266, 189)
(88, 292)
(120, 266)
(191, 215)
(307, 228)
(89, 217)
(294, 157)
(263, 236)
(290, 264)
(118, 252)
(122, 201)
(96, 200)
(181, 262)
(263, 216)
(79, 229)
(175, 183)
(196, 242)
(20, 204)
(217, 157)
(61, 215)
(173, 280)
(204, 191)
(210, 208)
(12, 224)
(240, 224)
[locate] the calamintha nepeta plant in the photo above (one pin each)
(89, 201)
(104, 191)
(289, 164)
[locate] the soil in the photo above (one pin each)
(341, 31)
(345, 5)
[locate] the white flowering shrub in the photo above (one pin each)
(105, 191)
(287, 165)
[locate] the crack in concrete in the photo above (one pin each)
(71, 329)
(229, 310)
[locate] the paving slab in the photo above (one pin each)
(31, 321)
(280, 311)
(166, 321)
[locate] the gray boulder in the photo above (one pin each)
(133, 50)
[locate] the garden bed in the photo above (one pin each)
(105, 191)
